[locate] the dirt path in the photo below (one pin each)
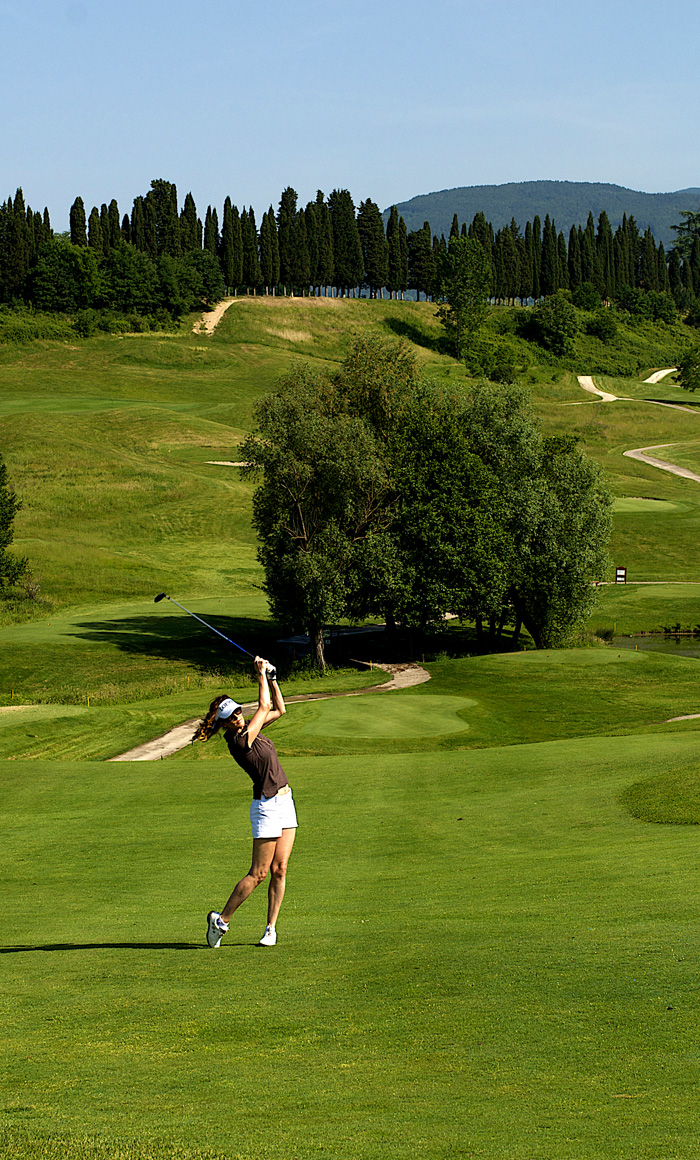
(402, 677)
(586, 381)
(639, 453)
(659, 375)
(209, 321)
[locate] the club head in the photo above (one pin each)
(159, 597)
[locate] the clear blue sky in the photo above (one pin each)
(388, 99)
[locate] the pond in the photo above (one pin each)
(677, 645)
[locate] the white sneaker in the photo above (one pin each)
(269, 938)
(216, 927)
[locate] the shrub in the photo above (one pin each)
(586, 297)
(602, 325)
(554, 320)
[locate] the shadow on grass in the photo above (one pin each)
(405, 329)
(676, 402)
(117, 946)
(182, 638)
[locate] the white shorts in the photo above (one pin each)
(269, 816)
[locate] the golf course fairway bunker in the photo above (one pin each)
(391, 715)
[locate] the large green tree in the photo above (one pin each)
(320, 509)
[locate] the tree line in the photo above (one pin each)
(161, 257)
(382, 493)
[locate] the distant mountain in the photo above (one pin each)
(567, 202)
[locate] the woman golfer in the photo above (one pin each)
(272, 812)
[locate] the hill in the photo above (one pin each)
(568, 202)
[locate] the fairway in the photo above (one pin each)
(480, 953)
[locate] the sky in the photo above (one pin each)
(387, 99)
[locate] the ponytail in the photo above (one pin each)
(209, 726)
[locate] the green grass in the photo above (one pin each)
(480, 952)
(671, 798)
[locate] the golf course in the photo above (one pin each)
(518, 835)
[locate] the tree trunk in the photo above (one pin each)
(516, 633)
(317, 651)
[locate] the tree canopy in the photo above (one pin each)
(383, 493)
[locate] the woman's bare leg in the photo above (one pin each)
(263, 854)
(278, 875)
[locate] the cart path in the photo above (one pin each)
(403, 676)
(639, 453)
(209, 321)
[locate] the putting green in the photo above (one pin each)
(391, 715)
(632, 503)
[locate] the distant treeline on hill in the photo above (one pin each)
(162, 261)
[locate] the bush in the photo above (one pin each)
(554, 320)
(602, 325)
(586, 297)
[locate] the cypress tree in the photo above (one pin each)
(95, 231)
(285, 216)
(590, 269)
(313, 241)
(105, 228)
(149, 226)
(138, 225)
(421, 264)
(48, 232)
(662, 279)
(189, 234)
(300, 265)
(648, 274)
(563, 263)
(403, 241)
(454, 228)
(347, 248)
(226, 257)
(211, 231)
(549, 272)
(482, 231)
(78, 224)
(674, 276)
(237, 247)
(375, 248)
(604, 252)
(393, 238)
(573, 259)
(526, 261)
(163, 197)
(326, 267)
(252, 274)
(695, 262)
(269, 250)
(126, 228)
(536, 256)
(115, 228)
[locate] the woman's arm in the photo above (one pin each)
(269, 709)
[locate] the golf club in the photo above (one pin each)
(164, 596)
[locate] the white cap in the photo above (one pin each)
(226, 709)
